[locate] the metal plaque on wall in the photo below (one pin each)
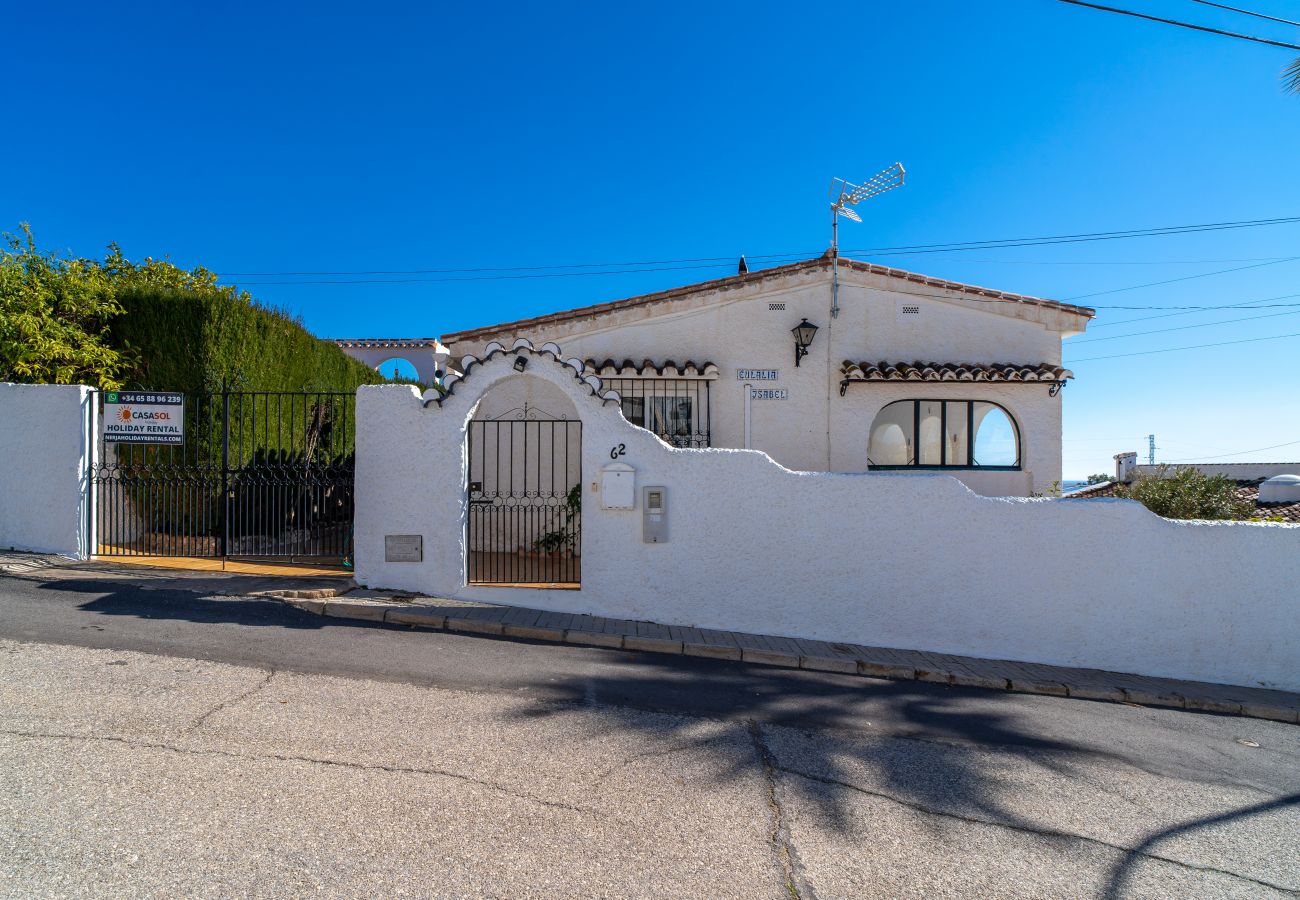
(403, 548)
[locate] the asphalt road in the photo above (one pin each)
(162, 742)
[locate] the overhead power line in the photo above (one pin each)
(1075, 238)
(499, 276)
(1116, 337)
(1182, 278)
(907, 249)
(1238, 453)
(1189, 310)
(1180, 24)
(1272, 337)
(1119, 262)
(1246, 12)
(1266, 303)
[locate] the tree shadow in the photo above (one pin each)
(1118, 882)
(935, 755)
(119, 599)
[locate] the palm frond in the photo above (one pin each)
(1291, 77)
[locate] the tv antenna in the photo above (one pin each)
(844, 196)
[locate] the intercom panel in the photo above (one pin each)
(654, 514)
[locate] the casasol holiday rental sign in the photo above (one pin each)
(145, 417)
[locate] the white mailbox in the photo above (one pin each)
(618, 486)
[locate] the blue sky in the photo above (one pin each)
(341, 137)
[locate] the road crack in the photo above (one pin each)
(1027, 829)
(293, 758)
(649, 754)
(244, 695)
(779, 834)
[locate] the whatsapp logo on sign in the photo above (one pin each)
(111, 397)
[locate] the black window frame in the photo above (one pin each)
(640, 396)
(943, 431)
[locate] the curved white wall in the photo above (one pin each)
(902, 560)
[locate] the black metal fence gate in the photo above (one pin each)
(525, 502)
(260, 474)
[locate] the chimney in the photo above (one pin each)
(1125, 463)
(743, 268)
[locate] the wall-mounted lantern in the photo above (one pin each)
(803, 336)
(520, 363)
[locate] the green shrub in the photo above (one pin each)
(152, 326)
(1188, 494)
(54, 318)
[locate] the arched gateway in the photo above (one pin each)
(523, 464)
(525, 486)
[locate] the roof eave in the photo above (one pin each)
(737, 281)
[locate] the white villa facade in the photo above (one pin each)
(910, 374)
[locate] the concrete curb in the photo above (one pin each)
(1001, 675)
(317, 594)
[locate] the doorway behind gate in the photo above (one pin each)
(525, 503)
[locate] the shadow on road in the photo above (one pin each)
(127, 599)
(1117, 886)
(938, 760)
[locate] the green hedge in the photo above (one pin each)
(200, 338)
(194, 340)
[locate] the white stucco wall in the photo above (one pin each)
(45, 467)
(910, 560)
(816, 429)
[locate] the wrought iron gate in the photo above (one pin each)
(525, 502)
(260, 474)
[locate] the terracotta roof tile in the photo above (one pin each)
(969, 372)
(609, 368)
(756, 277)
(1247, 489)
(401, 343)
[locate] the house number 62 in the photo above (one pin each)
(616, 452)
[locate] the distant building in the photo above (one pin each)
(1273, 488)
(425, 355)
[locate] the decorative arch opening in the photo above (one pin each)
(947, 434)
(524, 487)
(399, 368)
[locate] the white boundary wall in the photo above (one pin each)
(45, 468)
(911, 561)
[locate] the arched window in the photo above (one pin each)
(963, 434)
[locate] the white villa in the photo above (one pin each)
(826, 366)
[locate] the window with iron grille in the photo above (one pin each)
(676, 409)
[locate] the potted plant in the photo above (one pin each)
(561, 541)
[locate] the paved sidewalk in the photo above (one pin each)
(237, 580)
(332, 596)
(853, 659)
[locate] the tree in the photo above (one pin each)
(1188, 494)
(1099, 478)
(1291, 76)
(54, 317)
